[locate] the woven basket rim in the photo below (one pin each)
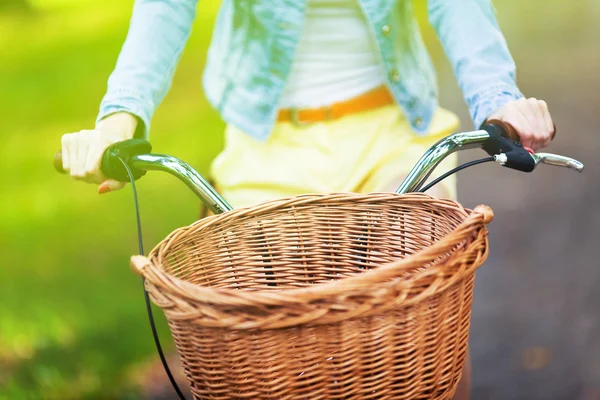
(153, 271)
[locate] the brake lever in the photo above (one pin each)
(557, 160)
(512, 154)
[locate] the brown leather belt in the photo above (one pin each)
(367, 101)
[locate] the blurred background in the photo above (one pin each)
(72, 318)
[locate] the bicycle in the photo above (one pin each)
(323, 295)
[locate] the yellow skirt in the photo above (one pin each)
(366, 152)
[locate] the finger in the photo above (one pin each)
(545, 114)
(543, 106)
(538, 123)
(65, 142)
(73, 151)
(535, 116)
(517, 119)
(82, 149)
(110, 185)
(92, 162)
(532, 137)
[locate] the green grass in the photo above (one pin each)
(72, 318)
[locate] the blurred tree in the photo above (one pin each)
(23, 5)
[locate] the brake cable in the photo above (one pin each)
(455, 170)
(146, 296)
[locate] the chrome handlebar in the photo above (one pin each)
(469, 140)
(436, 154)
(185, 173)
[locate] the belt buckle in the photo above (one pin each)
(295, 117)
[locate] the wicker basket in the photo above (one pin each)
(340, 296)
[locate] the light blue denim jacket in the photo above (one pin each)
(253, 45)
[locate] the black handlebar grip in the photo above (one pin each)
(508, 130)
(111, 165)
(499, 142)
(502, 128)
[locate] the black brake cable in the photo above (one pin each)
(146, 296)
(455, 170)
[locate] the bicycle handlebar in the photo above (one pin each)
(136, 154)
(185, 173)
(494, 138)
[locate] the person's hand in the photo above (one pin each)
(531, 119)
(82, 151)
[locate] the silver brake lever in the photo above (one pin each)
(559, 161)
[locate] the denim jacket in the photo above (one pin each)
(253, 45)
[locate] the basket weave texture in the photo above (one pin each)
(338, 296)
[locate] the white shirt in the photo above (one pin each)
(336, 58)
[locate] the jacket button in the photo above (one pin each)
(386, 29)
(418, 122)
(394, 75)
